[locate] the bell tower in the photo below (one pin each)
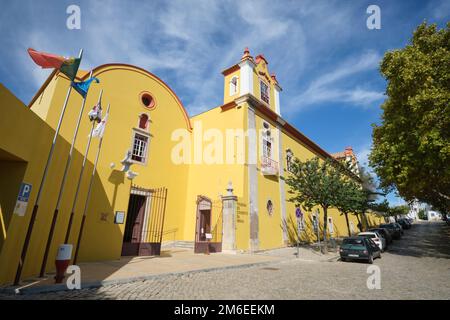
(251, 77)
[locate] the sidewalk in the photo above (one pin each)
(172, 261)
(129, 269)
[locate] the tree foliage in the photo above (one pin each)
(329, 183)
(390, 211)
(422, 214)
(411, 146)
(349, 199)
(315, 183)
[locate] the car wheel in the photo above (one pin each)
(343, 259)
(370, 260)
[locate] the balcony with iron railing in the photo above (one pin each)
(269, 167)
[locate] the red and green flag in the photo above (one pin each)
(68, 66)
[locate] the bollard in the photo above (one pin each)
(62, 261)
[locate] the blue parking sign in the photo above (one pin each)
(24, 193)
(22, 199)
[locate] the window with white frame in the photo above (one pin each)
(330, 225)
(264, 92)
(140, 147)
(267, 145)
(233, 86)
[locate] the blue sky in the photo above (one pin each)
(324, 56)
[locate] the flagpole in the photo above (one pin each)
(72, 211)
(38, 196)
(80, 234)
(61, 189)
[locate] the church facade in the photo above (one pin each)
(212, 182)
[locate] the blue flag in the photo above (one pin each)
(83, 87)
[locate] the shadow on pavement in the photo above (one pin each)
(424, 239)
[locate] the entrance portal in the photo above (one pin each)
(145, 222)
(206, 236)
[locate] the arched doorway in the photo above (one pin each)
(206, 239)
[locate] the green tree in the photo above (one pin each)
(348, 199)
(381, 208)
(422, 214)
(411, 146)
(315, 183)
(398, 211)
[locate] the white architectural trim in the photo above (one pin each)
(276, 98)
(253, 181)
(246, 79)
(281, 183)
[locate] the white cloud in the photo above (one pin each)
(362, 154)
(333, 86)
(188, 44)
(440, 9)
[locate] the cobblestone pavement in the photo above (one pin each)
(416, 267)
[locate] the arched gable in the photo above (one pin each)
(82, 76)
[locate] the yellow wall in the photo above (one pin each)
(211, 180)
(24, 146)
(270, 225)
(29, 140)
(124, 116)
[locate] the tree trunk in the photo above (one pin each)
(348, 225)
(359, 222)
(366, 221)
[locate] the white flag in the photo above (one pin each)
(100, 128)
(96, 113)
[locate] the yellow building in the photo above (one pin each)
(175, 191)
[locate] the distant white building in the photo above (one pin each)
(414, 209)
(433, 215)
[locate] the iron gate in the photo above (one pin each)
(145, 222)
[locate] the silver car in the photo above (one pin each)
(375, 237)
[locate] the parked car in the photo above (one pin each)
(400, 227)
(393, 228)
(384, 233)
(376, 237)
(404, 223)
(359, 248)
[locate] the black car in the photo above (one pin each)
(384, 233)
(404, 223)
(394, 229)
(359, 248)
(400, 227)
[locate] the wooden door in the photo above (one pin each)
(134, 225)
(204, 225)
